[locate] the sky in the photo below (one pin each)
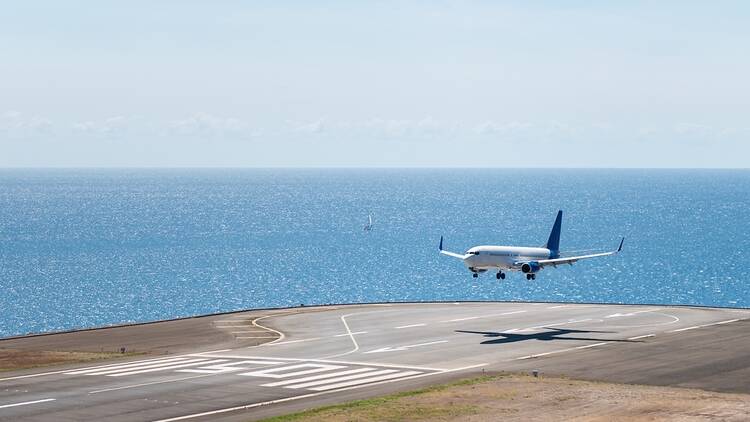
(374, 84)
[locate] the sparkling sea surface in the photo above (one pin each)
(82, 248)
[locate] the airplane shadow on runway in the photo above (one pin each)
(552, 334)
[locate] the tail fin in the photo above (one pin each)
(553, 243)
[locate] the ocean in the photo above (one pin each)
(84, 248)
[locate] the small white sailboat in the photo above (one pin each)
(368, 226)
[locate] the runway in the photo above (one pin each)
(327, 355)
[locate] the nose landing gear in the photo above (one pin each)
(475, 275)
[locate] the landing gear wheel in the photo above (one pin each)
(502, 275)
(528, 276)
(475, 275)
(498, 276)
(533, 276)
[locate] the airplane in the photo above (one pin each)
(517, 258)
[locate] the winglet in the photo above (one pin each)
(620, 247)
(441, 244)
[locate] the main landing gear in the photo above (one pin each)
(530, 276)
(475, 275)
(500, 275)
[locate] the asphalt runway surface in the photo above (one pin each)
(317, 356)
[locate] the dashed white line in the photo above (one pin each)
(643, 336)
(3, 406)
(684, 329)
(536, 355)
(484, 316)
(461, 319)
(409, 326)
(704, 325)
(588, 346)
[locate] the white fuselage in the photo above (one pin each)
(483, 258)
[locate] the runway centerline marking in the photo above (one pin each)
(402, 348)
(409, 326)
(3, 406)
(704, 325)
(484, 316)
(643, 336)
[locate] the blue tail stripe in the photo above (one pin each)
(553, 243)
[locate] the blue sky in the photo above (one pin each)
(486, 84)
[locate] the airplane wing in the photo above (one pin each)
(571, 259)
(453, 254)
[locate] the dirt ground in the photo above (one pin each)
(524, 398)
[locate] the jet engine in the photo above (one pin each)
(530, 267)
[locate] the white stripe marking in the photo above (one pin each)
(165, 368)
(128, 365)
(685, 329)
(243, 338)
(365, 381)
(304, 396)
(292, 341)
(643, 336)
(335, 362)
(484, 316)
(145, 384)
(227, 367)
(273, 372)
(25, 403)
(588, 346)
(317, 377)
(350, 334)
(461, 319)
(725, 322)
(342, 379)
(410, 326)
(66, 370)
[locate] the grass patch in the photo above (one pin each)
(395, 407)
(12, 359)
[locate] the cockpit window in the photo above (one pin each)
(473, 253)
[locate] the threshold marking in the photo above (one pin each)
(3, 406)
(147, 383)
(304, 396)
